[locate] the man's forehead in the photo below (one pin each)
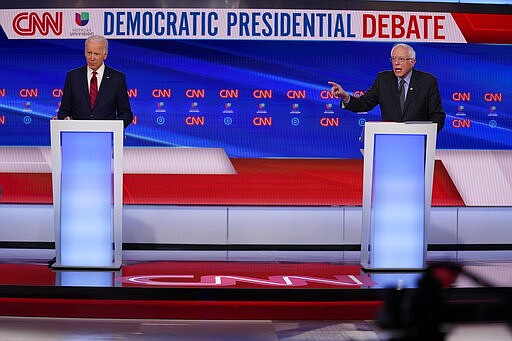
(92, 45)
(400, 49)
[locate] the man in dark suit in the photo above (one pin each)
(403, 94)
(95, 91)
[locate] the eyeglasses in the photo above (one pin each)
(401, 60)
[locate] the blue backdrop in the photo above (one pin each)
(175, 89)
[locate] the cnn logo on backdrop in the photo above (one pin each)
(30, 23)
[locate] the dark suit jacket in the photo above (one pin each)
(111, 103)
(423, 102)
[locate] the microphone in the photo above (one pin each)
(361, 136)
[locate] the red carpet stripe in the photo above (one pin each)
(280, 182)
(220, 310)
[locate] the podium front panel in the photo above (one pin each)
(86, 205)
(87, 177)
(398, 201)
(397, 193)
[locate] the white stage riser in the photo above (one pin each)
(253, 225)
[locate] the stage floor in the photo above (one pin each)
(243, 297)
(241, 287)
(39, 329)
(233, 295)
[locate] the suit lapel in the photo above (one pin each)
(85, 85)
(394, 89)
(410, 91)
(104, 83)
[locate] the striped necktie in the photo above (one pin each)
(401, 91)
(93, 89)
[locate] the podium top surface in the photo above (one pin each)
(416, 127)
(87, 125)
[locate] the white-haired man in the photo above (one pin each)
(95, 91)
(403, 94)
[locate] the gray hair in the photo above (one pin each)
(98, 39)
(412, 53)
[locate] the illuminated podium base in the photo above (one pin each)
(397, 193)
(87, 193)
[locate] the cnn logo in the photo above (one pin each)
(28, 24)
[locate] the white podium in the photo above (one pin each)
(87, 177)
(397, 194)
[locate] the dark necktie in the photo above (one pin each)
(401, 92)
(93, 89)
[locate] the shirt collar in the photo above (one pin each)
(99, 72)
(407, 78)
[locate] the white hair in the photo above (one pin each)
(98, 39)
(412, 53)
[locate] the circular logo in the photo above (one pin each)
(295, 121)
(361, 122)
(160, 120)
(493, 123)
(27, 119)
(228, 120)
